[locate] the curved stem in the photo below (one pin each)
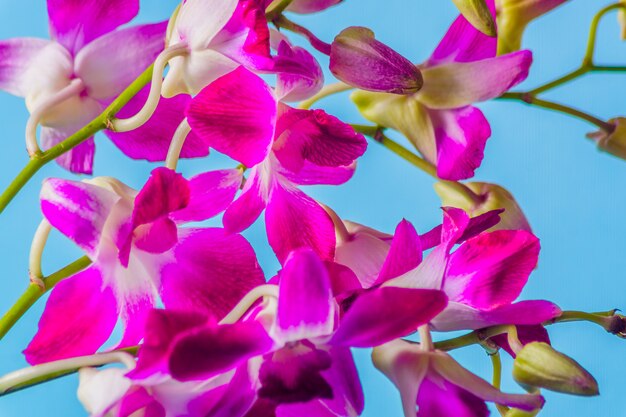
(36, 251)
(143, 115)
(426, 340)
(327, 90)
(72, 89)
(593, 31)
(282, 22)
(35, 291)
(276, 8)
(496, 363)
(103, 121)
(177, 143)
(561, 80)
(248, 301)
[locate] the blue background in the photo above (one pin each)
(572, 194)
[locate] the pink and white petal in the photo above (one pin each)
(311, 6)
(235, 115)
(365, 254)
(459, 84)
(210, 194)
(210, 272)
(78, 210)
(491, 269)
(151, 141)
(111, 63)
(248, 207)
(211, 350)
(475, 226)
(79, 317)
(442, 399)
(135, 309)
(459, 316)
(383, 314)
(428, 275)
(75, 23)
(455, 222)
(299, 74)
(166, 191)
(461, 136)
(461, 377)
(198, 21)
(343, 378)
(294, 220)
(464, 43)
(16, 56)
(405, 253)
(311, 174)
(101, 390)
(305, 301)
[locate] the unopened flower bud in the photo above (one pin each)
(358, 59)
(516, 412)
(612, 142)
(539, 365)
(478, 14)
(493, 197)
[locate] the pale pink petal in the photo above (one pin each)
(213, 349)
(383, 314)
(151, 141)
(305, 300)
(78, 210)
(112, 62)
(75, 23)
(79, 317)
(16, 56)
(235, 115)
(405, 253)
(210, 194)
(365, 254)
(459, 84)
(248, 207)
(294, 220)
(199, 21)
(311, 6)
(299, 74)
(491, 269)
(212, 270)
(101, 390)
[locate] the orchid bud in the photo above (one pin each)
(311, 6)
(358, 59)
(612, 142)
(492, 196)
(478, 14)
(516, 412)
(539, 365)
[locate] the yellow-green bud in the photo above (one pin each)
(539, 365)
(613, 142)
(477, 13)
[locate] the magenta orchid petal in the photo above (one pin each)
(360, 60)
(443, 399)
(157, 236)
(212, 271)
(461, 135)
(235, 115)
(88, 312)
(343, 378)
(165, 192)
(139, 399)
(459, 84)
(343, 280)
(210, 194)
(107, 74)
(305, 301)
(235, 399)
(75, 23)
(311, 174)
(311, 6)
(213, 349)
(288, 210)
(79, 159)
(248, 207)
(455, 222)
(475, 226)
(16, 56)
(134, 313)
(78, 210)
(299, 74)
(491, 269)
(405, 253)
(383, 314)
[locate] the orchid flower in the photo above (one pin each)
(289, 354)
(140, 257)
(431, 383)
(217, 36)
(240, 116)
(69, 80)
(439, 119)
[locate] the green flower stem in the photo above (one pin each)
(103, 121)
(496, 363)
(35, 290)
(593, 32)
(550, 105)
(377, 134)
(326, 91)
(276, 8)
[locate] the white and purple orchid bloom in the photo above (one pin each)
(440, 120)
(431, 384)
(242, 117)
(218, 36)
(69, 80)
(140, 257)
(289, 355)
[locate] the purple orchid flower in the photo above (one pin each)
(240, 116)
(140, 255)
(289, 354)
(69, 80)
(439, 119)
(431, 383)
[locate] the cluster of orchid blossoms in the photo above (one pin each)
(205, 332)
